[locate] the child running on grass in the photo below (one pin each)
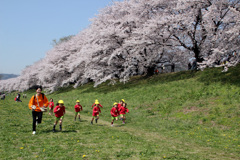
(59, 111)
(123, 111)
(120, 104)
(98, 104)
(51, 105)
(95, 114)
(114, 112)
(78, 108)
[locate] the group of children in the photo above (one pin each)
(39, 103)
(118, 109)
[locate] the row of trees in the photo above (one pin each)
(132, 37)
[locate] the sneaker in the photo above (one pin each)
(123, 122)
(111, 125)
(91, 123)
(34, 132)
(54, 130)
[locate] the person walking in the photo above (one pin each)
(38, 103)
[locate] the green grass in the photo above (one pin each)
(185, 115)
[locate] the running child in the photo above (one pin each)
(120, 104)
(59, 111)
(98, 104)
(114, 112)
(123, 111)
(51, 105)
(96, 111)
(78, 108)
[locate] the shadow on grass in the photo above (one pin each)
(83, 121)
(212, 75)
(119, 125)
(64, 89)
(209, 75)
(68, 131)
(57, 131)
(137, 81)
(98, 125)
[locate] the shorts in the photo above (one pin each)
(58, 118)
(114, 118)
(76, 113)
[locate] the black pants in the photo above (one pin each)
(37, 117)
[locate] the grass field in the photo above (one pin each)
(182, 116)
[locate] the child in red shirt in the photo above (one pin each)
(98, 104)
(59, 111)
(78, 108)
(123, 111)
(51, 105)
(120, 104)
(95, 113)
(114, 113)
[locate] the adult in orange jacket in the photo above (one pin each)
(38, 103)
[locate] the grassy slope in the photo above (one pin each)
(185, 115)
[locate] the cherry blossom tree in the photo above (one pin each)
(207, 28)
(133, 37)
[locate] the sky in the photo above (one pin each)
(28, 28)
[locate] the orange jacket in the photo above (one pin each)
(42, 102)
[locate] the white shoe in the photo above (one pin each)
(34, 132)
(111, 125)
